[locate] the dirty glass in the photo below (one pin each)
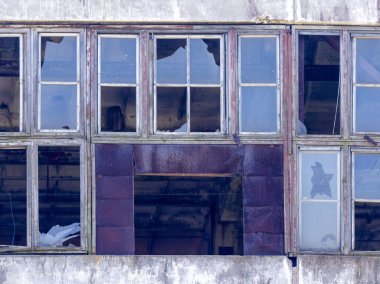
(319, 181)
(205, 109)
(258, 60)
(367, 226)
(188, 215)
(258, 109)
(118, 60)
(367, 61)
(367, 109)
(59, 196)
(10, 84)
(59, 58)
(319, 226)
(13, 205)
(367, 176)
(318, 79)
(171, 109)
(118, 109)
(59, 107)
(171, 61)
(205, 61)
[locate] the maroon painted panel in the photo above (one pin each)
(268, 219)
(114, 159)
(188, 159)
(263, 160)
(263, 244)
(114, 212)
(114, 187)
(263, 191)
(115, 240)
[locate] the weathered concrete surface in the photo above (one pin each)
(144, 269)
(339, 269)
(250, 11)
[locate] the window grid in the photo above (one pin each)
(188, 85)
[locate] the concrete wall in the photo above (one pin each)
(362, 12)
(144, 269)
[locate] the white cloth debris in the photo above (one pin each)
(57, 235)
(301, 128)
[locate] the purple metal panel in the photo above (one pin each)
(263, 160)
(263, 244)
(263, 191)
(114, 159)
(188, 159)
(114, 212)
(115, 240)
(268, 219)
(114, 187)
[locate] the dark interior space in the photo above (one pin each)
(13, 197)
(318, 78)
(188, 215)
(367, 226)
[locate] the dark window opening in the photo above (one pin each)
(13, 212)
(10, 84)
(318, 78)
(188, 215)
(367, 226)
(59, 196)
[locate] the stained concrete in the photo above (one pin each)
(362, 12)
(144, 269)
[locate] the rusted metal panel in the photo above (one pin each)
(263, 160)
(263, 244)
(188, 159)
(115, 240)
(114, 160)
(114, 187)
(114, 212)
(264, 219)
(263, 191)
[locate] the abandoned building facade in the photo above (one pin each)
(246, 129)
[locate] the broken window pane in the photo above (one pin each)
(258, 60)
(10, 84)
(367, 226)
(118, 109)
(13, 212)
(318, 78)
(367, 109)
(258, 109)
(319, 182)
(58, 106)
(171, 109)
(367, 61)
(204, 109)
(171, 61)
(205, 61)
(188, 215)
(59, 196)
(59, 58)
(118, 60)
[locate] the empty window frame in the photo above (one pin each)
(14, 209)
(60, 195)
(42, 198)
(259, 85)
(319, 187)
(318, 84)
(366, 84)
(11, 82)
(189, 84)
(188, 215)
(118, 79)
(366, 200)
(59, 82)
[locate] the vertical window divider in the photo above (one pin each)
(188, 82)
(33, 186)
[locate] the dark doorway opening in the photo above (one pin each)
(188, 215)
